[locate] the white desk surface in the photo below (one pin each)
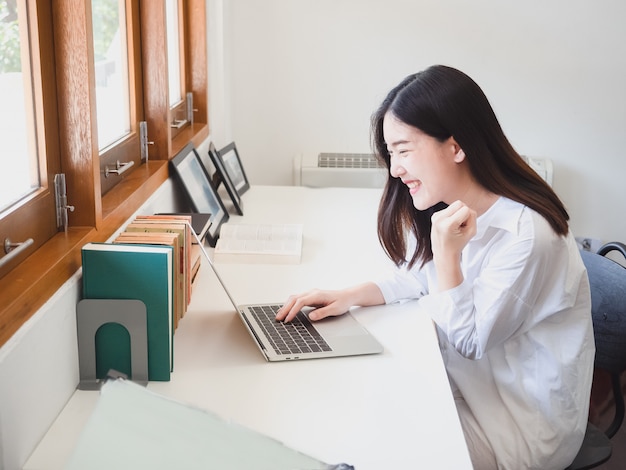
(385, 411)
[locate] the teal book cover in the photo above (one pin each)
(142, 272)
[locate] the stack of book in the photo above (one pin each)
(154, 261)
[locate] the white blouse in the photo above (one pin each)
(516, 336)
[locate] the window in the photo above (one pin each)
(173, 52)
(176, 72)
(29, 156)
(17, 120)
(80, 49)
(118, 98)
(110, 46)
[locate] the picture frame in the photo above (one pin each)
(223, 176)
(201, 194)
(232, 164)
(209, 168)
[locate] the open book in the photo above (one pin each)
(259, 243)
(132, 427)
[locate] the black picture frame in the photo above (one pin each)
(232, 164)
(201, 194)
(209, 168)
(220, 171)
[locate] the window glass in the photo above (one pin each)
(173, 52)
(111, 67)
(19, 157)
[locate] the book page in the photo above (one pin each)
(262, 238)
(132, 427)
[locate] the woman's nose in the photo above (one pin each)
(395, 170)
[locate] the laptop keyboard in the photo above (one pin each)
(296, 337)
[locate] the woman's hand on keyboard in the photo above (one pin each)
(328, 303)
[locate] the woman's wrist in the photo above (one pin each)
(449, 274)
(366, 294)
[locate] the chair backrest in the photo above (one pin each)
(608, 309)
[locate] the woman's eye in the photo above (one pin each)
(397, 153)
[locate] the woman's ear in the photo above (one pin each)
(459, 154)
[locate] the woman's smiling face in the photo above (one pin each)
(429, 168)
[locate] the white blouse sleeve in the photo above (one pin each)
(403, 284)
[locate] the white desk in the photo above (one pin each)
(386, 411)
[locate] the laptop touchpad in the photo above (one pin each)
(343, 325)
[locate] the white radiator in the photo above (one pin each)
(543, 166)
(353, 170)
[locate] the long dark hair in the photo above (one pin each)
(444, 102)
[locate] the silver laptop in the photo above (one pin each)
(300, 338)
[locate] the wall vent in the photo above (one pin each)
(347, 160)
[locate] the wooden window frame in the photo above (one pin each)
(96, 218)
(35, 216)
(127, 149)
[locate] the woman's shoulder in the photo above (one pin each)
(544, 242)
(525, 226)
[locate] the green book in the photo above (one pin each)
(142, 272)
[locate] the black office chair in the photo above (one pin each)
(608, 309)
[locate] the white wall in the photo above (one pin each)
(304, 76)
(38, 373)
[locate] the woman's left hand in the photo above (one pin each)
(452, 228)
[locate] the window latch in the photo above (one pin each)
(120, 167)
(60, 193)
(13, 249)
(178, 123)
(143, 140)
(190, 108)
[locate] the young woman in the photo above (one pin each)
(484, 243)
